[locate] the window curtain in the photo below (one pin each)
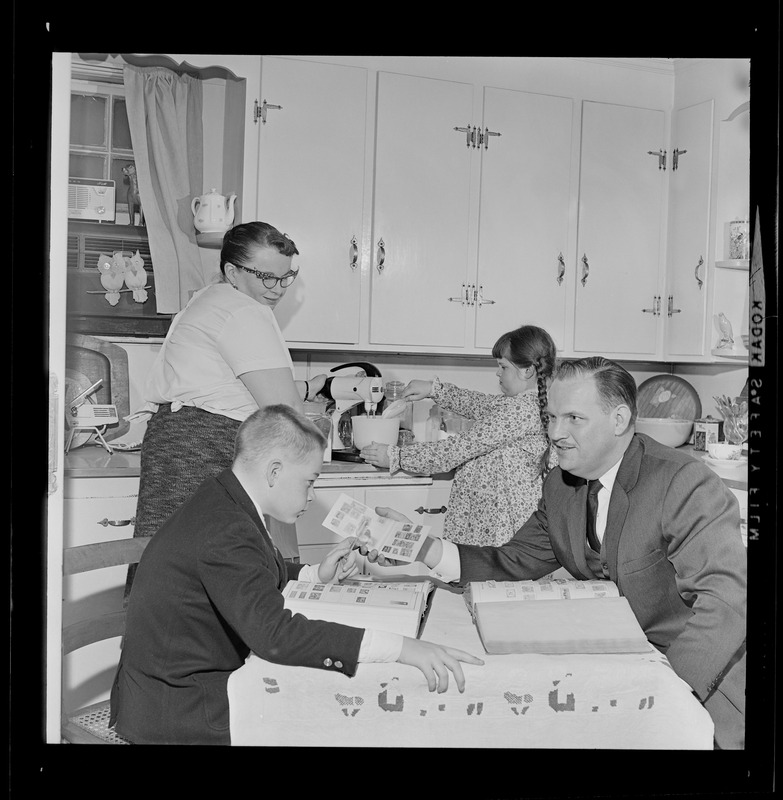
(165, 116)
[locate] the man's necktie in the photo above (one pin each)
(593, 487)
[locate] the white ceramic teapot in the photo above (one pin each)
(213, 213)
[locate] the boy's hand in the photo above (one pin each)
(435, 661)
(339, 563)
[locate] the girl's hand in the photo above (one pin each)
(435, 661)
(417, 390)
(340, 562)
(376, 454)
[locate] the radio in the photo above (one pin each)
(91, 199)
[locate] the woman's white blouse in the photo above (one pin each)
(220, 335)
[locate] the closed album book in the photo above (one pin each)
(552, 617)
(394, 606)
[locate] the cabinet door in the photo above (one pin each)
(311, 186)
(621, 200)
(524, 214)
(421, 212)
(95, 510)
(689, 224)
(315, 540)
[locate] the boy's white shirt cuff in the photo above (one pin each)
(309, 573)
(380, 646)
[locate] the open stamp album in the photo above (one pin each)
(396, 607)
(580, 617)
(400, 541)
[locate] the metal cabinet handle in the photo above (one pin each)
(676, 158)
(696, 273)
(671, 309)
(354, 254)
(585, 269)
(656, 309)
(422, 510)
(470, 135)
(661, 156)
(463, 297)
(381, 255)
(480, 298)
(116, 523)
(560, 269)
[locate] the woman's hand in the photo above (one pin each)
(417, 390)
(435, 661)
(340, 562)
(317, 382)
(376, 454)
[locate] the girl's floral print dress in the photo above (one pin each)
(497, 484)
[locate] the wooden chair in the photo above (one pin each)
(90, 724)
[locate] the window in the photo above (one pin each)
(100, 143)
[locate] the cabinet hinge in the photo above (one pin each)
(661, 155)
(676, 158)
(260, 111)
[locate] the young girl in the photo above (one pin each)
(501, 460)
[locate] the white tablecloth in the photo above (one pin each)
(628, 701)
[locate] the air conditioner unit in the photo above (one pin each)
(91, 199)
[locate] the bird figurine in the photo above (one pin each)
(112, 269)
(133, 195)
(726, 332)
(136, 277)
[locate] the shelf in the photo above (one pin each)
(213, 240)
(734, 263)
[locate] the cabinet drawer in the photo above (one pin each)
(425, 504)
(94, 510)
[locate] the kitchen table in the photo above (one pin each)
(622, 701)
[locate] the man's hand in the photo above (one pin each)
(435, 661)
(430, 553)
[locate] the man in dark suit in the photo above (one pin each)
(208, 590)
(667, 532)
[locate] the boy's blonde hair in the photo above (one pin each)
(276, 428)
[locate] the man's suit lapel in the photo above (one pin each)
(619, 503)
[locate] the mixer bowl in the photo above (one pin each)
(668, 431)
(367, 430)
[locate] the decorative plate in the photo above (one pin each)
(668, 396)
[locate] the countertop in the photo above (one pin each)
(91, 461)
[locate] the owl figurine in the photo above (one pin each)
(112, 269)
(136, 277)
(726, 332)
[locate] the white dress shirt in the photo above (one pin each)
(448, 568)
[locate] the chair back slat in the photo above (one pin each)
(94, 629)
(100, 555)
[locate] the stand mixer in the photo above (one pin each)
(348, 392)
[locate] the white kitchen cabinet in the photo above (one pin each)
(620, 233)
(421, 212)
(311, 173)
(684, 305)
(94, 510)
(524, 216)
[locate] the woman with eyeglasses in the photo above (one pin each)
(223, 358)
